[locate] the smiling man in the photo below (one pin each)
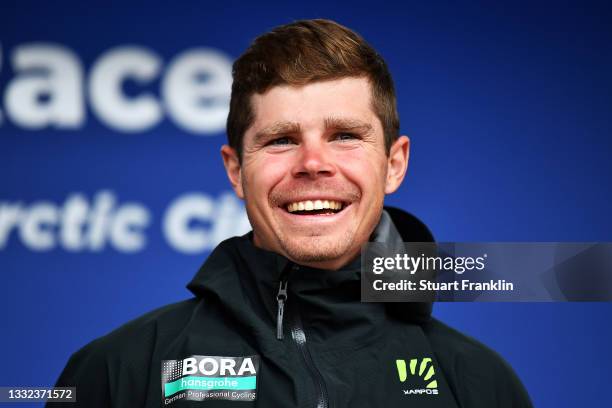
(276, 320)
(314, 170)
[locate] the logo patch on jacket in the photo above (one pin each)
(421, 377)
(200, 378)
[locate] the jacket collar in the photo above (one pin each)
(245, 279)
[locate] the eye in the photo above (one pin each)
(345, 137)
(281, 141)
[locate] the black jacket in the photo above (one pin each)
(335, 351)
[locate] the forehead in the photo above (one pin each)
(312, 104)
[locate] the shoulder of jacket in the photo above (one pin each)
(474, 370)
(452, 342)
(125, 352)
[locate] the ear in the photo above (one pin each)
(397, 163)
(233, 169)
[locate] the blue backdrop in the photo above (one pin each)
(112, 191)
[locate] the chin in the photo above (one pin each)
(317, 249)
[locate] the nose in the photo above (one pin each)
(314, 160)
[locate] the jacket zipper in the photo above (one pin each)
(299, 337)
(281, 298)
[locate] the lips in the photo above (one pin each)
(314, 206)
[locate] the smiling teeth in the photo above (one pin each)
(314, 205)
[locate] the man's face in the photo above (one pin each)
(314, 170)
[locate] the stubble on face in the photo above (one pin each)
(311, 245)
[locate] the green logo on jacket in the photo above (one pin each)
(201, 378)
(424, 373)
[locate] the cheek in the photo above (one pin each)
(260, 177)
(366, 171)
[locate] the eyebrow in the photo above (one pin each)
(335, 123)
(340, 123)
(277, 128)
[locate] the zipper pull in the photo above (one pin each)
(281, 298)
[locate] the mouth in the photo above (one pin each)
(315, 207)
